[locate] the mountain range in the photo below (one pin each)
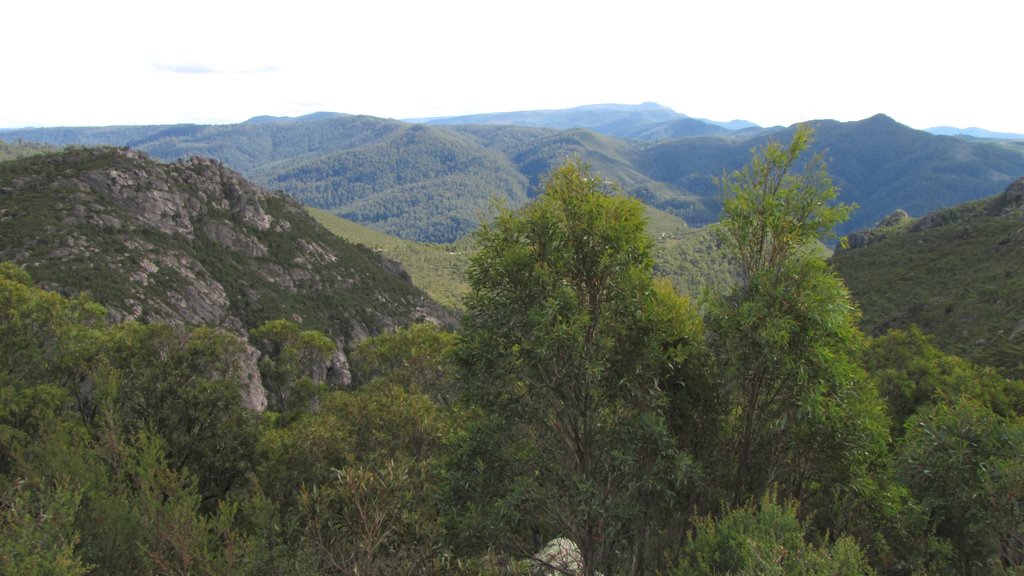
(436, 179)
(647, 121)
(974, 133)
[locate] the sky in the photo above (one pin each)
(112, 62)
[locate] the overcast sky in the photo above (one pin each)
(102, 62)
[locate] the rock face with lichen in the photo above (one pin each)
(193, 242)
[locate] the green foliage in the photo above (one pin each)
(965, 464)
(803, 419)
(581, 399)
(959, 281)
(691, 258)
(912, 374)
(439, 270)
(803, 415)
(419, 359)
(564, 285)
(696, 261)
(184, 385)
(20, 149)
(47, 344)
(359, 479)
(767, 539)
(37, 531)
(371, 520)
(293, 364)
(136, 514)
(770, 212)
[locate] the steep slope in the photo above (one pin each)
(956, 273)
(439, 269)
(191, 242)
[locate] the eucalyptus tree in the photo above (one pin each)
(803, 418)
(566, 344)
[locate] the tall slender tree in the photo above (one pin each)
(565, 341)
(804, 419)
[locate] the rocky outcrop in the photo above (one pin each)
(1009, 204)
(864, 237)
(894, 219)
(195, 243)
(254, 395)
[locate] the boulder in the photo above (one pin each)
(561, 557)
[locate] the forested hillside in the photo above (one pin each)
(439, 269)
(957, 274)
(414, 183)
(431, 182)
(583, 419)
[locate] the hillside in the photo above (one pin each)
(581, 403)
(957, 273)
(438, 269)
(878, 164)
(191, 242)
(415, 183)
(692, 259)
(432, 182)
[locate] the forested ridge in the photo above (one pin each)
(957, 274)
(583, 418)
(430, 182)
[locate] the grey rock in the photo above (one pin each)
(560, 557)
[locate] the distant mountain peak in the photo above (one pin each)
(881, 118)
(312, 117)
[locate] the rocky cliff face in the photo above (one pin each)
(193, 242)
